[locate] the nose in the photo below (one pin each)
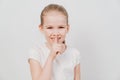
(55, 34)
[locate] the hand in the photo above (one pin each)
(58, 47)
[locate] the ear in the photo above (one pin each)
(68, 27)
(40, 27)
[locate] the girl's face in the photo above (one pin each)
(54, 26)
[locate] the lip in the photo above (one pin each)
(59, 37)
(52, 39)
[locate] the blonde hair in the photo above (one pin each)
(53, 7)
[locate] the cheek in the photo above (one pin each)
(63, 32)
(47, 32)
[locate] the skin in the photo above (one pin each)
(55, 28)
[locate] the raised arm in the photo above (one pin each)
(39, 73)
(45, 73)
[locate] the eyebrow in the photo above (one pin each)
(47, 25)
(51, 25)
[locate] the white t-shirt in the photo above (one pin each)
(63, 65)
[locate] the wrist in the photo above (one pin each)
(51, 56)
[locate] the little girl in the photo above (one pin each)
(54, 60)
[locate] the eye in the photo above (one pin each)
(50, 27)
(61, 27)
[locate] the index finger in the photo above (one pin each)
(55, 39)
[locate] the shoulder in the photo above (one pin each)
(73, 50)
(35, 52)
(75, 53)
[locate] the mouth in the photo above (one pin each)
(52, 39)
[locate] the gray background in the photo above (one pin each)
(95, 26)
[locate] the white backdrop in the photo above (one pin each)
(95, 26)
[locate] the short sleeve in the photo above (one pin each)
(77, 57)
(34, 54)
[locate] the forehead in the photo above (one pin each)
(53, 12)
(54, 18)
